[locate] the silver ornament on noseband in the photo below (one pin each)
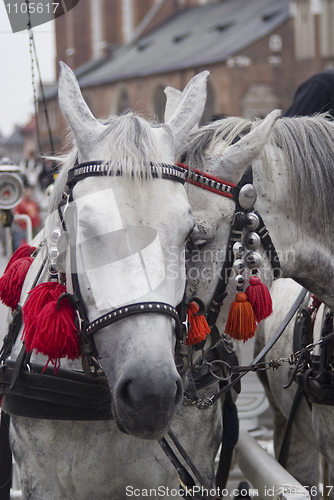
(53, 251)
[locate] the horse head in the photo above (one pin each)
(224, 149)
(128, 232)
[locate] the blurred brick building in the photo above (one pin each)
(125, 52)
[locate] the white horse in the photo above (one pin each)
(306, 154)
(308, 425)
(148, 214)
(293, 178)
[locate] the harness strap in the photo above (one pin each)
(269, 247)
(229, 440)
(284, 451)
(98, 168)
(5, 458)
(135, 309)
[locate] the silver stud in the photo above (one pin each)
(238, 249)
(53, 253)
(252, 221)
(141, 307)
(240, 279)
(247, 196)
(253, 260)
(52, 268)
(55, 234)
(158, 307)
(150, 306)
(252, 241)
(238, 266)
(126, 310)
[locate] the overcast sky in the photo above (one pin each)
(16, 91)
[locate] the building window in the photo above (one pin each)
(304, 30)
(160, 103)
(123, 102)
(259, 101)
(275, 43)
(327, 28)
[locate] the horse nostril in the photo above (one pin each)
(179, 390)
(123, 393)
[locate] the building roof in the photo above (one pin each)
(194, 37)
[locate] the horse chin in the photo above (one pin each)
(148, 425)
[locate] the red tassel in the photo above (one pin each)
(259, 297)
(241, 324)
(20, 253)
(38, 297)
(15, 273)
(48, 328)
(11, 282)
(199, 327)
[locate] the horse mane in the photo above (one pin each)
(127, 143)
(208, 136)
(307, 144)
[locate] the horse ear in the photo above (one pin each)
(189, 109)
(237, 157)
(85, 127)
(173, 98)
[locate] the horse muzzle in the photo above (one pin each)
(144, 406)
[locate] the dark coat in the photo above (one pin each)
(315, 95)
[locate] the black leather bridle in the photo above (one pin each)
(230, 190)
(88, 329)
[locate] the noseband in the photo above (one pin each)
(88, 329)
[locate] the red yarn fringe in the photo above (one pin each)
(241, 324)
(259, 297)
(199, 327)
(12, 280)
(49, 329)
(20, 253)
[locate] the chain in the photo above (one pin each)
(204, 404)
(200, 404)
(293, 358)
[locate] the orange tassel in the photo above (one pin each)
(199, 327)
(259, 298)
(241, 324)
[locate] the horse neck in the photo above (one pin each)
(304, 249)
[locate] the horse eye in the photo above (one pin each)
(87, 229)
(190, 244)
